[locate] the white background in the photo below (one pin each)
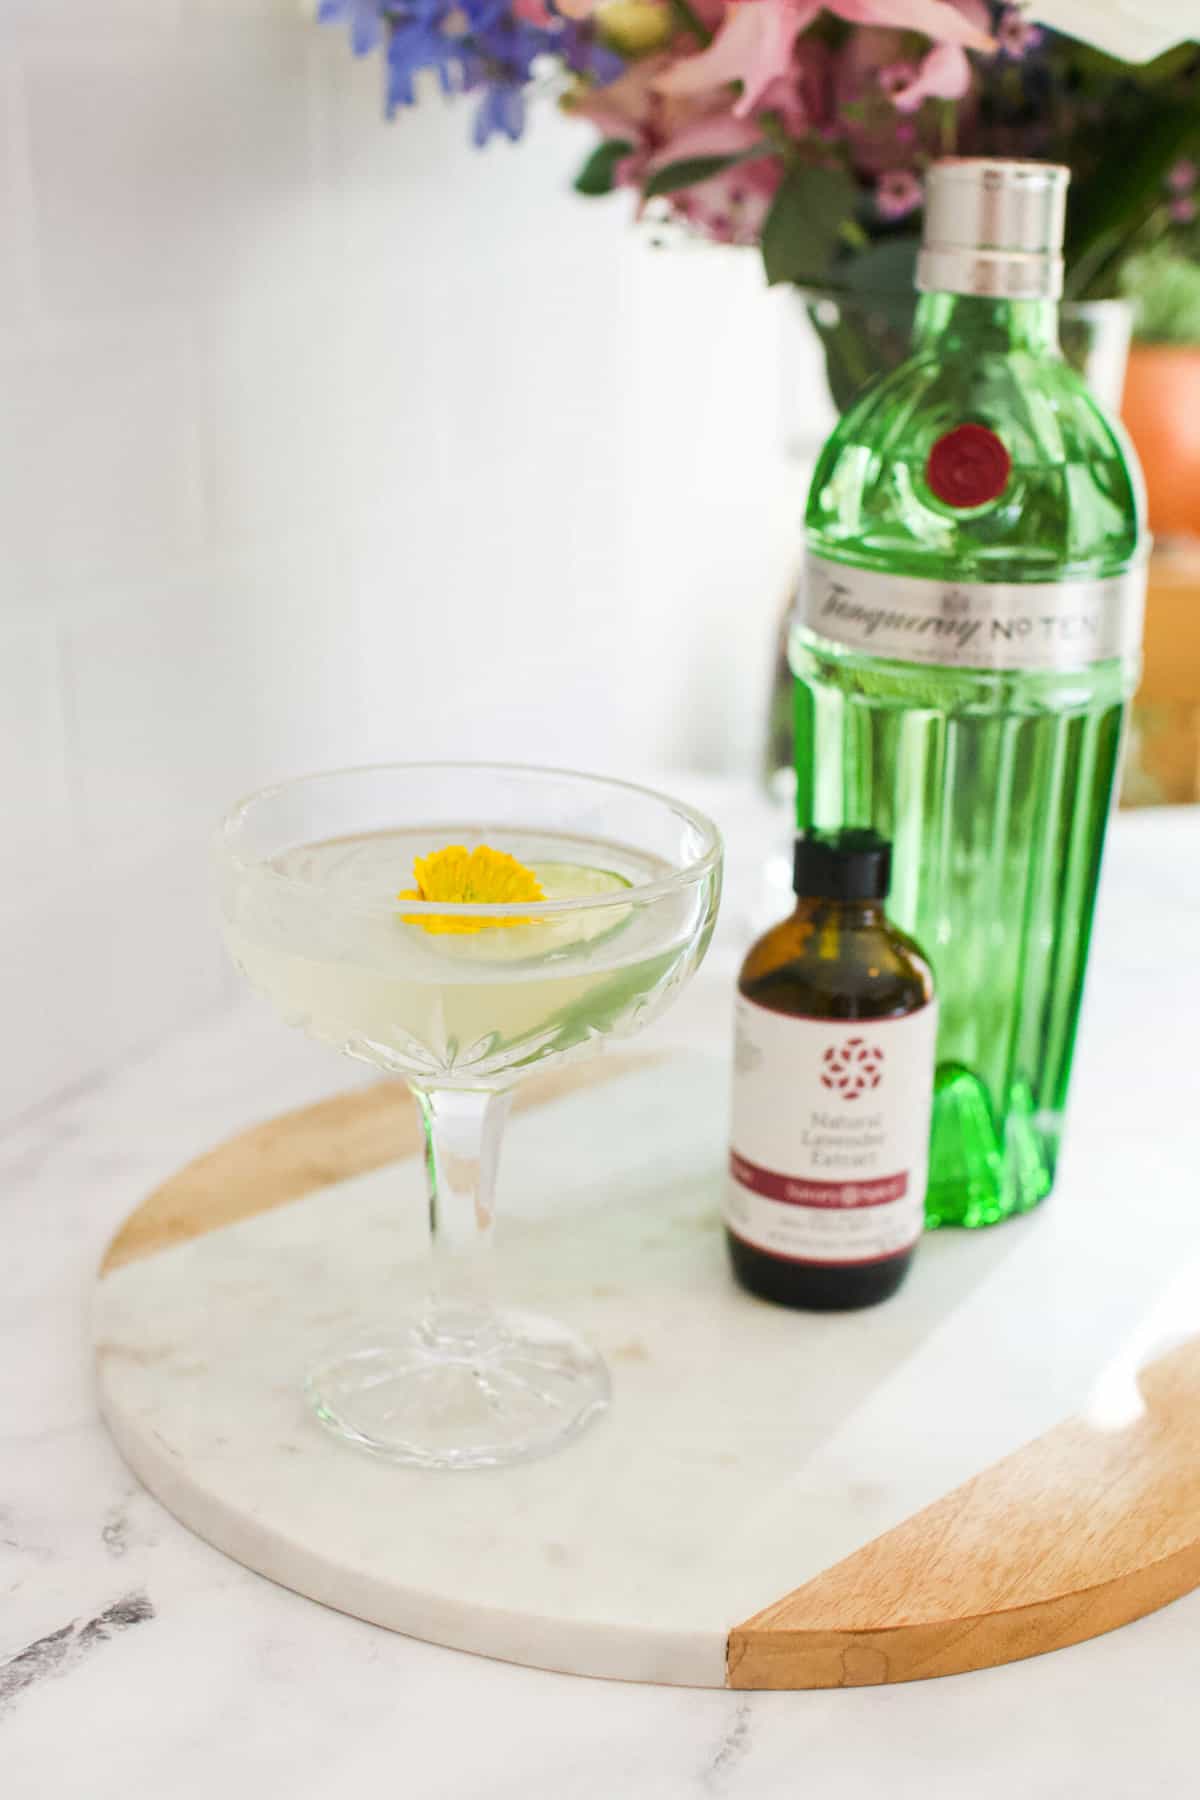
(323, 440)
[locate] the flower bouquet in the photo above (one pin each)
(805, 128)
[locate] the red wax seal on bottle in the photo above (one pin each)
(968, 466)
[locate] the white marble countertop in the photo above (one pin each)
(135, 1659)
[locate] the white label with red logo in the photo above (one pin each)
(975, 624)
(830, 1134)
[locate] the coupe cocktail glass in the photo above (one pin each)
(310, 873)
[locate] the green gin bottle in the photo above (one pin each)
(965, 644)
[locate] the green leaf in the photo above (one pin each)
(1099, 70)
(1106, 213)
(801, 234)
(598, 173)
(1164, 285)
(888, 267)
(694, 169)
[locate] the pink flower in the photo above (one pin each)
(878, 139)
(803, 98)
(897, 194)
(937, 19)
(1015, 34)
(754, 45)
(628, 107)
(711, 13)
(869, 120)
(719, 135)
(895, 77)
(664, 130)
(732, 207)
(1182, 210)
(1182, 176)
(944, 74)
(784, 98)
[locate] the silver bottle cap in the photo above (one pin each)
(994, 228)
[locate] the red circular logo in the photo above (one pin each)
(968, 466)
(852, 1068)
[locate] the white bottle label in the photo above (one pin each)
(830, 1141)
(1059, 625)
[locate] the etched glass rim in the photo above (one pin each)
(708, 863)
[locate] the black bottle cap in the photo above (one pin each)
(842, 865)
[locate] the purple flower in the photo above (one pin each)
(364, 17)
(583, 54)
(1015, 34)
(1182, 176)
(419, 41)
(471, 46)
(897, 194)
(502, 109)
(503, 53)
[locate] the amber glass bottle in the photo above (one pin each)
(833, 1089)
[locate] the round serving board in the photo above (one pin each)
(774, 1500)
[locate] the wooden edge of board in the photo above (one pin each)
(313, 1147)
(777, 1658)
(1083, 1530)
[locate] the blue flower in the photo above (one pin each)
(470, 45)
(501, 109)
(505, 52)
(484, 15)
(418, 41)
(364, 17)
(509, 47)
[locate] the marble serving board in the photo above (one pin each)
(773, 1500)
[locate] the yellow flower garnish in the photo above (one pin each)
(480, 877)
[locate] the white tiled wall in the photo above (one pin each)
(322, 440)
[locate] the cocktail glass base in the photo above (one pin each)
(439, 1396)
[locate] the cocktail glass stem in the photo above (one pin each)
(463, 1130)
